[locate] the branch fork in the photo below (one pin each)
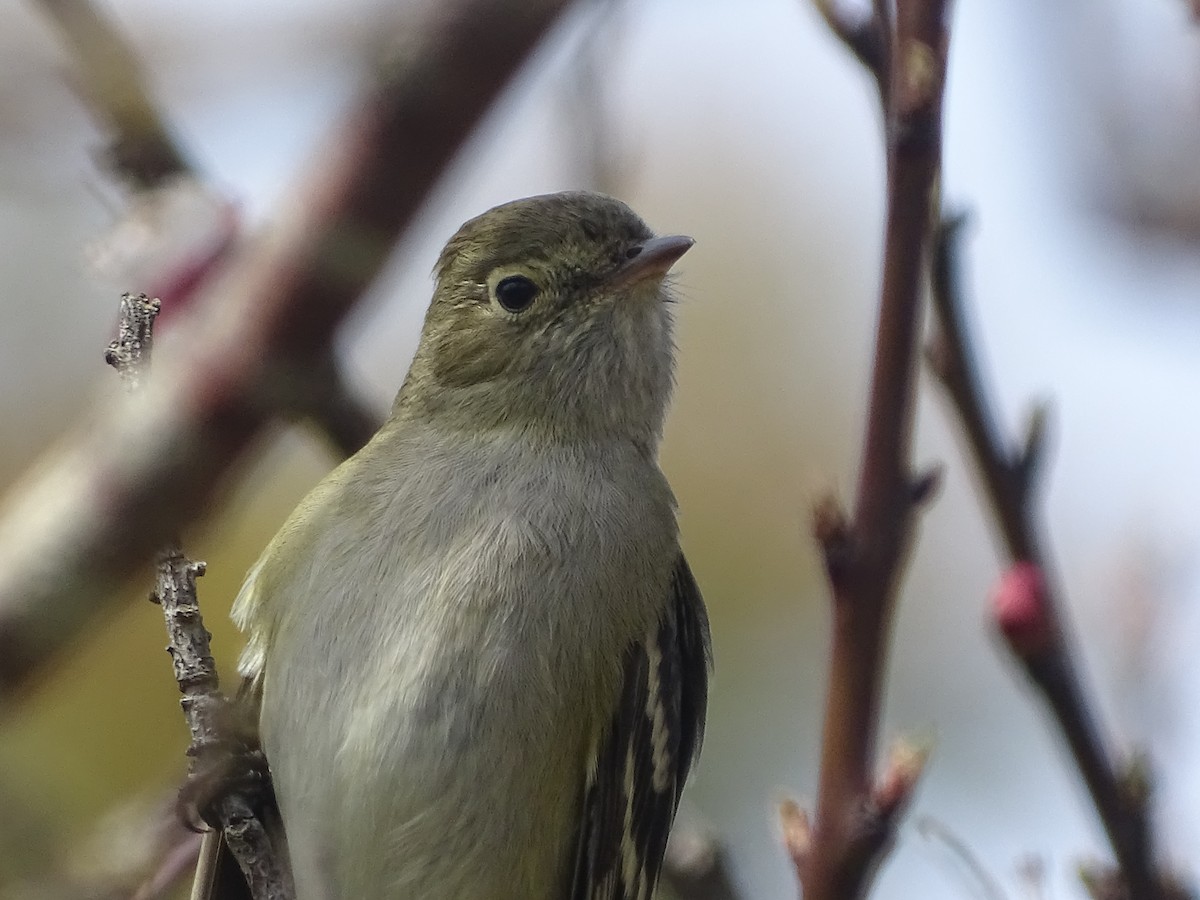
(870, 828)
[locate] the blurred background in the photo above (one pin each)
(1072, 135)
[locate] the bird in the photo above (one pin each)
(479, 656)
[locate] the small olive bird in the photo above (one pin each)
(480, 657)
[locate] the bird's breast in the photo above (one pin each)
(454, 640)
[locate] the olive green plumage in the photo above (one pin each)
(478, 648)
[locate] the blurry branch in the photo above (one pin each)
(103, 503)
(208, 713)
(1103, 882)
(866, 35)
(1031, 872)
(1027, 609)
(176, 864)
(146, 155)
(109, 76)
(139, 850)
(1009, 476)
(837, 854)
(343, 417)
(695, 867)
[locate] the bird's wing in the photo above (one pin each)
(638, 772)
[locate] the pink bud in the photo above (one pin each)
(1019, 609)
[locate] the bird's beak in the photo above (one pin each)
(652, 259)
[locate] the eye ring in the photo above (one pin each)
(516, 293)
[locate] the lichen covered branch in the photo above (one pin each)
(208, 713)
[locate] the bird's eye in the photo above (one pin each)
(516, 293)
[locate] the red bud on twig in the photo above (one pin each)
(1020, 610)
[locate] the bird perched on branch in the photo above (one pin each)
(480, 656)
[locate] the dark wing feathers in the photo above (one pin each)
(695, 661)
(639, 771)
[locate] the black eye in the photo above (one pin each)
(516, 293)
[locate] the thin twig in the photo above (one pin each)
(1030, 614)
(205, 708)
(105, 502)
(210, 719)
(866, 35)
(988, 886)
(176, 864)
(854, 821)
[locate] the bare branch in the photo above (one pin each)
(867, 36)
(109, 75)
(211, 721)
(205, 709)
(1026, 608)
(853, 826)
(330, 403)
(109, 498)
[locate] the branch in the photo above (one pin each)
(211, 720)
(1026, 606)
(864, 556)
(206, 710)
(108, 499)
(138, 850)
(1008, 476)
(333, 406)
(109, 76)
(867, 36)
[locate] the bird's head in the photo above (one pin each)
(550, 313)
